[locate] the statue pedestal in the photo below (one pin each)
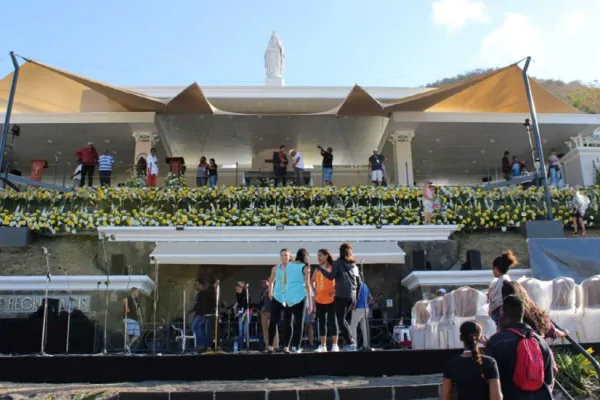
(274, 82)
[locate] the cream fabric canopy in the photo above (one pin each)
(267, 253)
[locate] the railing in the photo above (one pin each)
(580, 350)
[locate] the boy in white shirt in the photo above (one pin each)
(298, 167)
(77, 175)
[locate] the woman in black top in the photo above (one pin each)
(474, 375)
(242, 310)
(347, 286)
(213, 176)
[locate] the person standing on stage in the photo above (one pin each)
(242, 310)
(347, 286)
(89, 158)
(133, 318)
(265, 314)
(324, 292)
(199, 323)
(360, 315)
(289, 285)
(152, 168)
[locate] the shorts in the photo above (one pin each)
(376, 175)
(577, 214)
(327, 174)
(428, 206)
(133, 327)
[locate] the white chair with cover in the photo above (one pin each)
(467, 303)
(540, 292)
(419, 329)
(563, 308)
(488, 326)
(436, 313)
(590, 308)
(446, 324)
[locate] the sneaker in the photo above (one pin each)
(350, 347)
(322, 349)
(296, 351)
(335, 348)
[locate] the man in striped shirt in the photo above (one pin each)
(105, 164)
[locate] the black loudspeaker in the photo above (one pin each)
(473, 261)
(419, 260)
(118, 265)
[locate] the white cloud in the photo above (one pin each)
(573, 23)
(515, 39)
(454, 14)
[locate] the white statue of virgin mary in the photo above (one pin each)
(274, 58)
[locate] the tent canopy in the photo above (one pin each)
(498, 91)
(223, 253)
(43, 88)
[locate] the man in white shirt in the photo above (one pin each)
(298, 167)
(152, 168)
(105, 165)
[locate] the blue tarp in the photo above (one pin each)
(574, 258)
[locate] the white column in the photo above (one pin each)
(144, 141)
(403, 162)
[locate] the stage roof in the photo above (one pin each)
(45, 89)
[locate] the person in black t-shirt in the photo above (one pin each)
(327, 165)
(473, 375)
(376, 168)
(213, 175)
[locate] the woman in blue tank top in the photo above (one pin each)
(289, 288)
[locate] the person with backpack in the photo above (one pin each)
(473, 375)
(524, 359)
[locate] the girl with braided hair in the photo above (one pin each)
(473, 375)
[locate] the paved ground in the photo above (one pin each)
(59, 392)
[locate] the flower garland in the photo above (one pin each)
(469, 208)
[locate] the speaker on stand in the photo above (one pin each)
(473, 261)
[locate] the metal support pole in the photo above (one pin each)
(155, 304)
(538, 141)
(9, 106)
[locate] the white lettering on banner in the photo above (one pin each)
(19, 304)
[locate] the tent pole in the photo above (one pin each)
(538, 140)
(9, 106)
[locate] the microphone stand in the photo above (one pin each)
(106, 295)
(183, 338)
(247, 317)
(367, 339)
(154, 307)
(69, 312)
(45, 322)
(216, 338)
(126, 323)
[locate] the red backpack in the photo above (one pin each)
(529, 367)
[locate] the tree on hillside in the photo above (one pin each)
(581, 96)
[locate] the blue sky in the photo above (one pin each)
(327, 42)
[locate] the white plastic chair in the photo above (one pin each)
(183, 338)
(419, 328)
(436, 313)
(446, 325)
(467, 303)
(563, 308)
(590, 308)
(540, 292)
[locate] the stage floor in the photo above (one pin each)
(219, 367)
(225, 367)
